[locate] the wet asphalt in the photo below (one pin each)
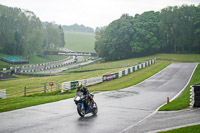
(119, 111)
(167, 120)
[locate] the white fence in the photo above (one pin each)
(3, 94)
(91, 81)
(95, 80)
(86, 82)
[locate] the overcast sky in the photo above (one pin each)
(91, 13)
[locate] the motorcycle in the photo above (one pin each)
(84, 104)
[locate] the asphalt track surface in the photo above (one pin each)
(119, 111)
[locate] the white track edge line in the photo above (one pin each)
(129, 127)
(185, 85)
(175, 127)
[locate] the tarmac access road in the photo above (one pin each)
(167, 120)
(119, 111)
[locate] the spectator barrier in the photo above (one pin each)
(96, 80)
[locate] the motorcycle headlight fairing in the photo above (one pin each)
(77, 98)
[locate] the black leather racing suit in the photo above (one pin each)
(85, 91)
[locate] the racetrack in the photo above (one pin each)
(118, 110)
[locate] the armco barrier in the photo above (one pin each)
(95, 80)
(3, 94)
(195, 95)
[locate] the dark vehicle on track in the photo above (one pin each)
(85, 104)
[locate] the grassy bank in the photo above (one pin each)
(189, 129)
(183, 100)
(131, 79)
(80, 41)
(178, 57)
(21, 102)
(15, 87)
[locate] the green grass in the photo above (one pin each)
(131, 79)
(48, 58)
(95, 69)
(34, 60)
(184, 99)
(16, 100)
(15, 87)
(189, 129)
(178, 57)
(22, 102)
(80, 41)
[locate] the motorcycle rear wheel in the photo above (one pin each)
(81, 111)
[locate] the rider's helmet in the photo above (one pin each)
(79, 86)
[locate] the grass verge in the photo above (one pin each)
(189, 129)
(131, 79)
(184, 99)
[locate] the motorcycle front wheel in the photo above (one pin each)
(95, 109)
(81, 111)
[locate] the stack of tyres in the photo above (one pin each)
(196, 95)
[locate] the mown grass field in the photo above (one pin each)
(79, 41)
(189, 129)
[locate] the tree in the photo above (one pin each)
(146, 37)
(62, 37)
(114, 41)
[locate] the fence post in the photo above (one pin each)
(3, 94)
(25, 91)
(45, 87)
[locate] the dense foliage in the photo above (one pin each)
(172, 30)
(78, 28)
(22, 33)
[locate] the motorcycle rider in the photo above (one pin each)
(85, 91)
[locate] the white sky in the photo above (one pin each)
(90, 13)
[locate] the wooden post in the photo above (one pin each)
(45, 88)
(167, 100)
(25, 91)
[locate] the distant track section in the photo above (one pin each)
(70, 53)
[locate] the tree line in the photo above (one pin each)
(22, 33)
(78, 28)
(172, 30)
